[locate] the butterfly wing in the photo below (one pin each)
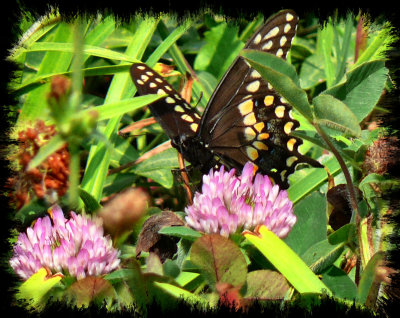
(246, 119)
(172, 112)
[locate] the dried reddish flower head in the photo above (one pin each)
(46, 180)
(381, 156)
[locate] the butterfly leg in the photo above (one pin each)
(185, 178)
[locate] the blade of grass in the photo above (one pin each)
(53, 62)
(327, 44)
(168, 42)
(378, 46)
(184, 67)
(120, 88)
(121, 107)
(341, 67)
(312, 180)
(90, 50)
(287, 262)
(30, 84)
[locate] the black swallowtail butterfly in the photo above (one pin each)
(245, 119)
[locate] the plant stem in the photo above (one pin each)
(350, 186)
(355, 216)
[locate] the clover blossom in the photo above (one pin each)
(230, 203)
(75, 246)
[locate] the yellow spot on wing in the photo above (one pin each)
(179, 109)
(257, 39)
(290, 160)
(268, 100)
(186, 117)
(290, 144)
(263, 136)
(280, 111)
(259, 126)
(255, 74)
(250, 119)
(253, 86)
(246, 107)
(267, 45)
(260, 145)
(252, 153)
(249, 133)
(272, 33)
(194, 127)
(288, 127)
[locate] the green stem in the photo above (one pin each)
(74, 175)
(355, 216)
(350, 186)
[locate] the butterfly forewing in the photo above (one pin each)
(174, 114)
(274, 37)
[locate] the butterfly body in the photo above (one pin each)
(245, 118)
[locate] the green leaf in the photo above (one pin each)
(362, 89)
(367, 277)
(53, 62)
(37, 31)
(312, 71)
(90, 50)
(35, 288)
(89, 289)
(333, 113)
(311, 218)
(340, 283)
(323, 254)
(306, 184)
(159, 167)
(30, 212)
(265, 284)
(181, 231)
(282, 77)
(380, 44)
(286, 261)
(271, 61)
(182, 65)
(221, 48)
(178, 293)
(326, 39)
(121, 107)
(168, 42)
(38, 80)
(341, 66)
(124, 152)
(90, 203)
(185, 278)
(220, 260)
